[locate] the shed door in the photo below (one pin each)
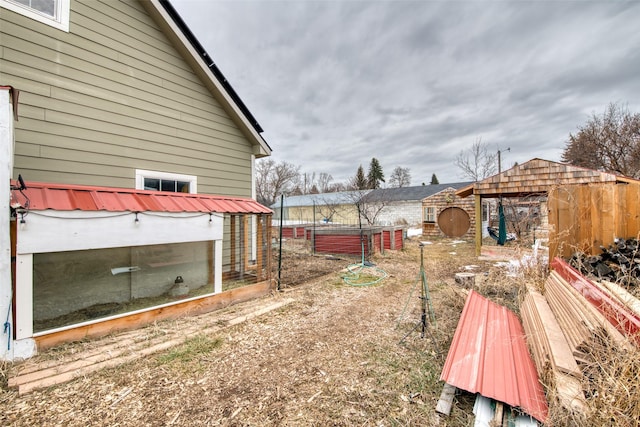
(454, 222)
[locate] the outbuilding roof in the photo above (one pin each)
(537, 176)
(413, 193)
(65, 197)
(337, 198)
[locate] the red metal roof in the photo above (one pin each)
(65, 197)
(489, 355)
(615, 312)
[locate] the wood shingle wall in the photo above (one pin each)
(537, 176)
(443, 200)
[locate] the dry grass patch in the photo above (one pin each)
(338, 355)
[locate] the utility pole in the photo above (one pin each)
(500, 160)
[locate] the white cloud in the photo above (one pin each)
(335, 83)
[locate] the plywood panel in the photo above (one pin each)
(633, 210)
(601, 212)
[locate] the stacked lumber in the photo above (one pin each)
(582, 323)
(547, 340)
(552, 352)
(622, 295)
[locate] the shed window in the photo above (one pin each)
(162, 181)
(50, 12)
(430, 214)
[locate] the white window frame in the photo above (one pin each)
(141, 174)
(59, 21)
(427, 211)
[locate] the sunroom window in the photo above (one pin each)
(163, 181)
(78, 286)
(50, 12)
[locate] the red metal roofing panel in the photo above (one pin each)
(616, 313)
(65, 197)
(489, 355)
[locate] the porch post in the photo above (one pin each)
(478, 206)
(6, 172)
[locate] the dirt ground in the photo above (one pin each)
(339, 355)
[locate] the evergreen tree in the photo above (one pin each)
(375, 176)
(434, 179)
(360, 182)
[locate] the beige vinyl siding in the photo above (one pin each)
(112, 96)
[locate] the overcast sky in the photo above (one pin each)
(413, 83)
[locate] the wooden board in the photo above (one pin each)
(120, 352)
(446, 399)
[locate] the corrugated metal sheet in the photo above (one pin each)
(489, 355)
(63, 197)
(615, 312)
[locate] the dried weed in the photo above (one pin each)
(339, 355)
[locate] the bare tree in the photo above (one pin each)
(305, 182)
(327, 209)
(310, 183)
(477, 163)
(274, 179)
(369, 204)
(610, 143)
(339, 186)
(400, 177)
(324, 182)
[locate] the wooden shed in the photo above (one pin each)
(445, 214)
(586, 217)
(581, 205)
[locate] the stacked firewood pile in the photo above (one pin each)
(619, 263)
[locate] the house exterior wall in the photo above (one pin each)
(447, 199)
(404, 212)
(122, 91)
(341, 214)
(113, 95)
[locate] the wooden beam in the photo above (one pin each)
(13, 239)
(497, 417)
(268, 246)
(232, 241)
(259, 249)
(246, 249)
(133, 321)
(128, 349)
(478, 206)
(446, 399)
(210, 262)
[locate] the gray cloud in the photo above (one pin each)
(412, 83)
